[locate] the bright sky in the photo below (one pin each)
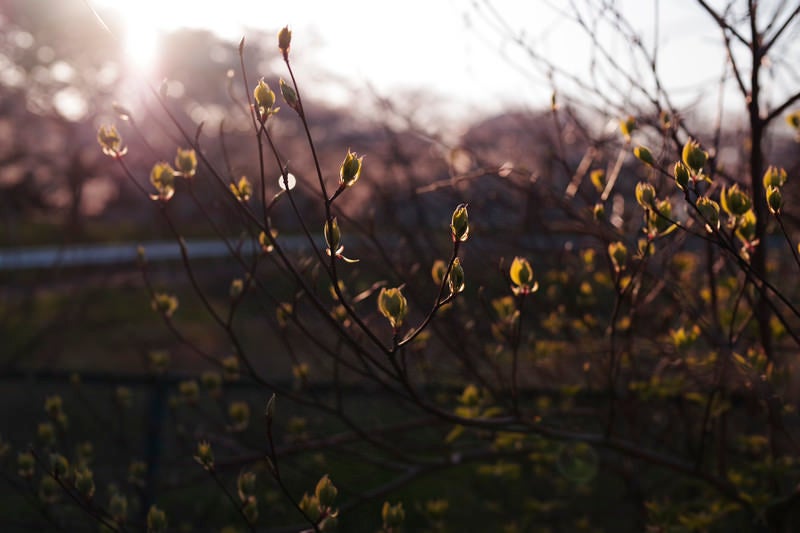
(444, 47)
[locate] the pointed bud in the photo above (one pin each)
(162, 176)
(734, 201)
(393, 305)
(204, 455)
(774, 199)
(455, 280)
(746, 229)
(645, 194)
(156, 520)
(110, 141)
(682, 175)
(709, 210)
(693, 156)
(285, 41)
(264, 98)
(644, 155)
(775, 177)
(619, 255)
(521, 275)
(459, 225)
(289, 95)
(627, 126)
(393, 515)
(325, 491)
(242, 189)
(599, 211)
(350, 170)
(333, 235)
(186, 162)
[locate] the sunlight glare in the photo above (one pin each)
(141, 38)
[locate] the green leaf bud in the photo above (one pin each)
(285, 41)
(186, 162)
(162, 176)
(230, 368)
(110, 141)
(46, 434)
(189, 391)
(393, 515)
(164, 303)
(246, 485)
(693, 156)
(204, 455)
(455, 280)
(239, 413)
(521, 275)
(774, 199)
(350, 170)
(682, 175)
(459, 225)
(242, 189)
(774, 176)
(627, 127)
(26, 464)
(265, 99)
(333, 236)
(393, 305)
(619, 255)
(643, 154)
(236, 288)
(84, 482)
(156, 520)
(735, 202)
(325, 491)
(645, 194)
(310, 506)
(289, 95)
(746, 228)
(118, 507)
(49, 490)
(212, 382)
(709, 210)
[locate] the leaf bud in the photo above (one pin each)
(627, 127)
(289, 95)
(84, 482)
(26, 464)
(774, 199)
(643, 154)
(774, 176)
(459, 225)
(110, 141)
(265, 99)
(350, 170)
(709, 210)
(246, 485)
(735, 202)
(162, 176)
(682, 175)
(186, 162)
(438, 270)
(333, 235)
(204, 455)
(693, 156)
(619, 255)
(599, 211)
(455, 280)
(285, 41)
(156, 520)
(521, 275)
(645, 194)
(393, 515)
(598, 179)
(393, 305)
(325, 491)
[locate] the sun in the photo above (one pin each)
(138, 33)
